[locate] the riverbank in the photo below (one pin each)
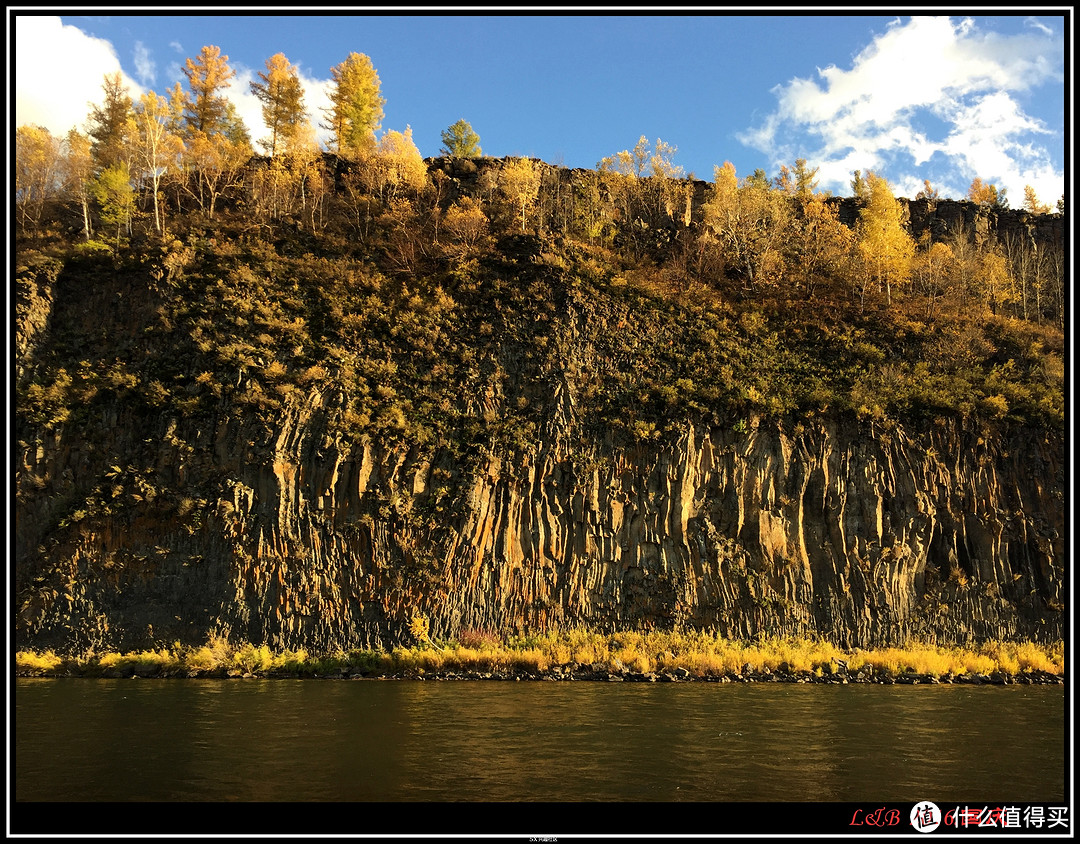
(582, 656)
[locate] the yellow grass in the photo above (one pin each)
(702, 654)
(32, 662)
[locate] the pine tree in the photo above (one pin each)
(107, 125)
(1031, 202)
(208, 75)
(797, 181)
(282, 98)
(460, 141)
(356, 107)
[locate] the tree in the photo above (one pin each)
(208, 75)
(984, 193)
(460, 141)
(394, 165)
(401, 163)
(37, 171)
(650, 198)
(619, 173)
(818, 244)
(928, 192)
(114, 193)
(217, 161)
(860, 188)
(885, 245)
(997, 283)
(672, 196)
(1031, 202)
(750, 221)
(356, 107)
(77, 172)
(178, 104)
(158, 150)
(932, 271)
(305, 178)
(797, 181)
(627, 163)
(467, 226)
(107, 124)
(758, 179)
(282, 98)
(965, 259)
(519, 183)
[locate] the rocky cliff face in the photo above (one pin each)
(282, 532)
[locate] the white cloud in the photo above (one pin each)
(1039, 25)
(59, 70)
(49, 94)
(929, 71)
(144, 65)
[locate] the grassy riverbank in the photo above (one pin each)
(632, 655)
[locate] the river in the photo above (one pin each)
(424, 741)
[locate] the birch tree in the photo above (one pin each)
(750, 221)
(885, 245)
(519, 183)
(157, 149)
(37, 171)
(78, 172)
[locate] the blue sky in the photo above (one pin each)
(931, 97)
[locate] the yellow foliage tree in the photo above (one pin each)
(1031, 202)
(282, 97)
(519, 183)
(928, 192)
(884, 244)
(77, 172)
(356, 106)
(217, 162)
(997, 285)
(208, 75)
(627, 163)
(157, 149)
(750, 221)
(932, 271)
(37, 170)
(799, 181)
(985, 193)
(818, 244)
(402, 166)
(466, 224)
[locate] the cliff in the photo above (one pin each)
(469, 456)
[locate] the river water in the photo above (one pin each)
(370, 740)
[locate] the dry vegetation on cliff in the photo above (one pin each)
(451, 327)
